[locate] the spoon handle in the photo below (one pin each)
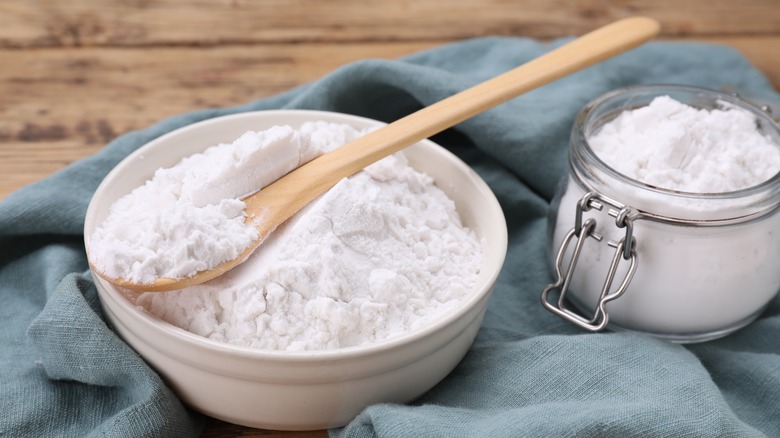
(290, 193)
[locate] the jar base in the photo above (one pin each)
(692, 338)
(685, 338)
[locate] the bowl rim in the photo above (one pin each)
(483, 286)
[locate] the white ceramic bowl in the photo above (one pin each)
(301, 390)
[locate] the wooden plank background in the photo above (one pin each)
(76, 74)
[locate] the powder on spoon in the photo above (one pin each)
(189, 217)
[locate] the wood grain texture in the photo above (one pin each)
(36, 23)
(76, 74)
(60, 104)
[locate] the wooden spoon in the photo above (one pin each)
(278, 201)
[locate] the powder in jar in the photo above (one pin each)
(674, 146)
(707, 261)
(380, 254)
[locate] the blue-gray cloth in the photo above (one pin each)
(63, 371)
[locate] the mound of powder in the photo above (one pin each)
(189, 217)
(674, 146)
(382, 253)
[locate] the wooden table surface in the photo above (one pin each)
(76, 74)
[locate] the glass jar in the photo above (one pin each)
(686, 267)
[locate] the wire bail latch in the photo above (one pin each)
(625, 250)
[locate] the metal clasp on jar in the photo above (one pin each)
(625, 250)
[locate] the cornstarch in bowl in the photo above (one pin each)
(373, 293)
(379, 255)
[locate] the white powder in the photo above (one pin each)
(381, 254)
(675, 146)
(189, 217)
